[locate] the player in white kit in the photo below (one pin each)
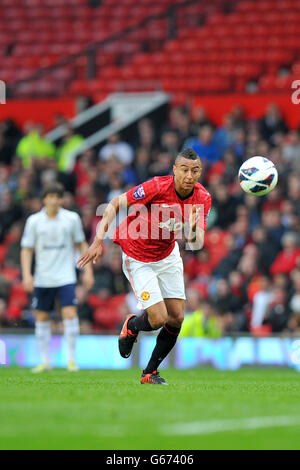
(52, 234)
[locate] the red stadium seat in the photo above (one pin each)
(239, 45)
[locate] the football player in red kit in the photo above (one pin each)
(161, 209)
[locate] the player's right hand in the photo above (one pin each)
(28, 283)
(92, 254)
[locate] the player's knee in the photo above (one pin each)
(69, 313)
(158, 320)
(180, 318)
(176, 319)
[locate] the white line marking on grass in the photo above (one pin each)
(210, 427)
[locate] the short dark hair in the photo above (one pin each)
(188, 153)
(53, 188)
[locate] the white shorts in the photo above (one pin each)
(157, 280)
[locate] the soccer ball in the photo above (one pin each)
(258, 176)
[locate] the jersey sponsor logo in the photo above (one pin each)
(145, 295)
(172, 225)
(169, 205)
(139, 193)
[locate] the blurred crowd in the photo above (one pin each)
(247, 277)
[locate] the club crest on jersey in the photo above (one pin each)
(145, 295)
(139, 193)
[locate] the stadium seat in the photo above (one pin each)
(254, 38)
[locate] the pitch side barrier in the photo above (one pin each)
(100, 352)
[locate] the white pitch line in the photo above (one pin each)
(210, 427)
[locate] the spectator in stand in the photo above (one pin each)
(10, 134)
(161, 166)
(238, 116)
(146, 135)
(278, 312)
(6, 151)
(116, 187)
(203, 322)
(87, 219)
(109, 277)
(289, 217)
(261, 302)
(33, 148)
(180, 121)
(65, 153)
(199, 265)
(226, 169)
(272, 123)
(141, 164)
(120, 149)
(267, 248)
(225, 206)
(273, 201)
(204, 145)
(200, 119)
(271, 221)
(287, 259)
(293, 186)
(170, 142)
(239, 144)
(291, 150)
(85, 163)
(227, 305)
(241, 231)
(10, 212)
(225, 135)
(26, 184)
(230, 262)
(253, 204)
(12, 258)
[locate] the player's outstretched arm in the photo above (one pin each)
(95, 249)
(195, 237)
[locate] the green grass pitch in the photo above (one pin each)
(200, 409)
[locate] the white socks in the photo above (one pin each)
(71, 331)
(43, 335)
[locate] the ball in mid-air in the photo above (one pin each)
(258, 176)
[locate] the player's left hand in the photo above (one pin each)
(92, 254)
(194, 217)
(88, 279)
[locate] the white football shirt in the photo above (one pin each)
(53, 241)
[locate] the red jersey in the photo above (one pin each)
(157, 218)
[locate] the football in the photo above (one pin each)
(258, 176)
